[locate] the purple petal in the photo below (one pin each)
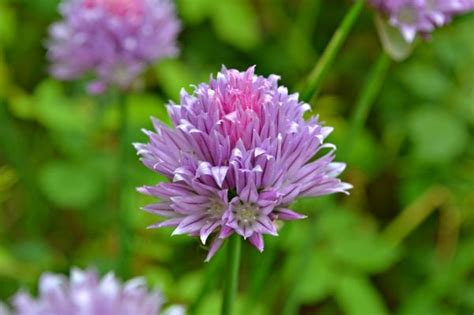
(161, 208)
(215, 245)
(207, 229)
(249, 193)
(226, 231)
(219, 173)
(170, 222)
(257, 240)
(190, 224)
(289, 215)
(264, 225)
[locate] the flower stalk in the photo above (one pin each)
(321, 69)
(231, 282)
(124, 229)
(367, 97)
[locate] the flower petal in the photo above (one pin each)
(257, 240)
(289, 215)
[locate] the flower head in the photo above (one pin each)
(113, 40)
(238, 154)
(85, 293)
(414, 17)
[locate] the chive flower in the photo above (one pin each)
(422, 17)
(238, 153)
(111, 41)
(85, 293)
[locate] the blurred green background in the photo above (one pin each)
(402, 243)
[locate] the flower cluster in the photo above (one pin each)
(111, 39)
(238, 155)
(87, 294)
(414, 17)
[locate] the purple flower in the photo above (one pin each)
(87, 294)
(414, 17)
(113, 40)
(238, 154)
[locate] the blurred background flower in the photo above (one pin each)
(86, 293)
(112, 40)
(421, 17)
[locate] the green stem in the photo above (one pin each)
(124, 229)
(367, 97)
(232, 279)
(321, 69)
(412, 216)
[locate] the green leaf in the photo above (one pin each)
(365, 153)
(235, 22)
(37, 251)
(212, 305)
(422, 302)
(70, 185)
(56, 111)
(465, 294)
(464, 97)
(13, 262)
(160, 277)
(8, 178)
(173, 75)
(141, 106)
(336, 223)
(194, 11)
(298, 50)
(22, 105)
(353, 242)
(7, 25)
(356, 296)
(364, 251)
(426, 80)
(44, 8)
(454, 46)
(190, 284)
(438, 137)
(7, 262)
(318, 280)
(4, 77)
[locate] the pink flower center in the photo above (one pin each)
(240, 105)
(120, 8)
(240, 101)
(239, 108)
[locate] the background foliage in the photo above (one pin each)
(402, 243)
